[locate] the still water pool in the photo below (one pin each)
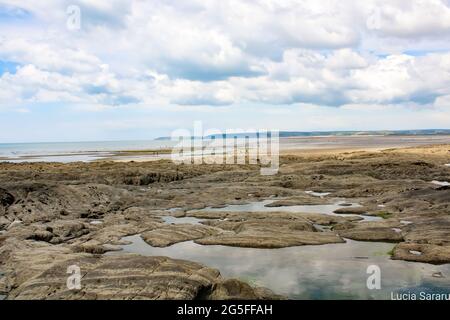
(332, 271)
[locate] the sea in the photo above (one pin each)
(74, 151)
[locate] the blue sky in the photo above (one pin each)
(141, 69)
(8, 66)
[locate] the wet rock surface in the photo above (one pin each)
(351, 210)
(418, 252)
(271, 238)
(127, 277)
(47, 212)
(381, 231)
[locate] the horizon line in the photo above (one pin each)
(162, 138)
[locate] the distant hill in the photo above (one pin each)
(287, 134)
(366, 133)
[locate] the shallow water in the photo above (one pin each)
(332, 271)
(318, 194)
(260, 206)
(184, 220)
(67, 158)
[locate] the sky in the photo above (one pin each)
(121, 70)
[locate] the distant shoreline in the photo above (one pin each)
(350, 133)
(153, 151)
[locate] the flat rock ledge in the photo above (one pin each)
(249, 230)
(134, 277)
(373, 234)
(273, 240)
(351, 210)
(426, 253)
(172, 234)
(377, 231)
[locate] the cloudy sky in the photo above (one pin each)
(140, 69)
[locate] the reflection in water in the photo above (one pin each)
(441, 183)
(332, 271)
(260, 206)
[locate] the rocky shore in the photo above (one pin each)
(56, 215)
